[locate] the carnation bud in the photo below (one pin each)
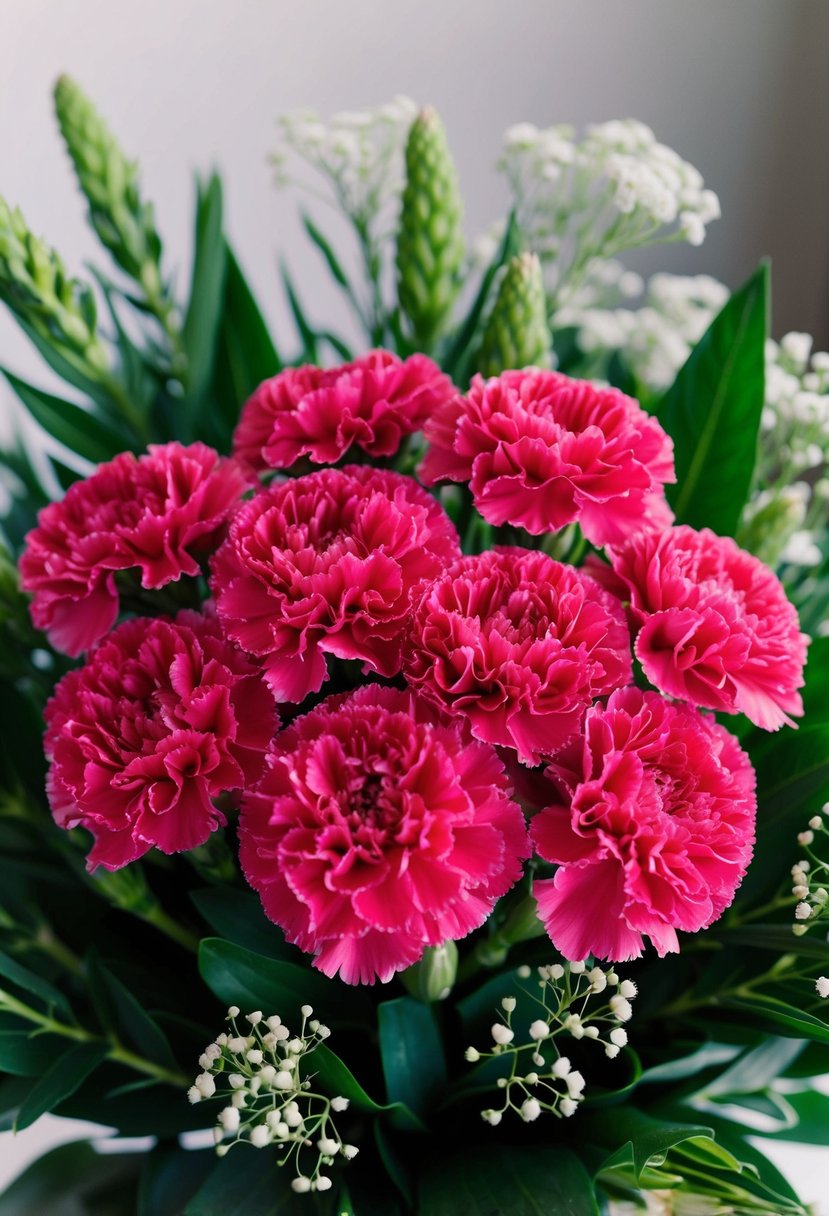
(433, 977)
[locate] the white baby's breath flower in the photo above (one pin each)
(822, 986)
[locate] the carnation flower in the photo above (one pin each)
(651, 824)
(328, 563)
(715, 627)
(322, 413)
(540, 451)
(520, 645)
(378, 831)
(163, 718)
(155, 513)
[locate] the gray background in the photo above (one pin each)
(738, 87)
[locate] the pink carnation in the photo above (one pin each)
(520, 645)
(328, 563)
(163, 718)
(540, 451)
(155, 513)
(377, 832)
(715, 627)
(371, 404)
(652, 828)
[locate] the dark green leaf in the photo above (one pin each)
(60, 1081)
(206, 292)
(68, 371)
(75, 428)
(238, 917)
(498, 1181)
(170, 1178)
(779, 939)
(707, 1056)
(34, 984)
(768, 1010)
(412, 1053)
(816, 692)
(132, 1021)
(249, 1181)
(757, 1068)
(646, 1139)
(338, 1081)
(240, 977)
(24, 1056)
(712, 412)
(307, 335)
(71, 1181)
(812, 1110)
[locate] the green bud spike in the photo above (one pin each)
(517, 334)
(35, 286)
(123, 222)
(430, 244)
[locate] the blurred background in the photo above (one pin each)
(738, 89)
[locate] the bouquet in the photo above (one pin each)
(412, 797)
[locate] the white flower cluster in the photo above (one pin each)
(810, 877)
(618, 188)
(655, 339)
(359, 153)
(547, 1081)
(270, 1101)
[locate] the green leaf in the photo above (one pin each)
(778, 939)
(768, 1010)
(134, 1022)
(646, 1139)
(456, 361)
(339, 1081)
(68, 371)
(412, 1053)
(816, 692)
(170, 1178)
(712, 412)
(334, 266)
(757, 1068)
(75, 428)
(306, 333)
(249, 1181)
(60, 1081)
(24, 1056)
(238, 917)
(70, 1181)
(812, 1110)
(239, 977)
(201, 322)
(34, 984)
(531, 1181)
(707, 1056)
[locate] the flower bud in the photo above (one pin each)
(517, 334)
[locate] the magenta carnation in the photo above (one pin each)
(520, 645)
(377, 832)
(540, 451)
(652, 828)
(715, 627)
(328, 563)
(154, 513)
(372, 404)
(163, 718)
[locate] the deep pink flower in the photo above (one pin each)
(520, 645)
(540, 451)
(163, 717)
(154, 513)
(652, 827)
(372, 404)
(327, 564)
(715, 627)
(378, 831)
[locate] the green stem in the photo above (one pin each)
(684, 1004)
(116, 1051)
(161, 920)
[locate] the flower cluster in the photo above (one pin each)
(810, 877)
(163, 719)
(261, 1072)
(616, 189)
(566, 1005)
(370, 404)
(377, 831)
(651, 823)
(540, 451)
(159, 514)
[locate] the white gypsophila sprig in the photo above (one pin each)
(358, 153)
(654, 339)
(810, 876)
(616, 189)
(540, 1078)
(261, 1073)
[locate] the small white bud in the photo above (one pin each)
(524, 972)
(327, 1146)
(273, 1021)
(611, 1051)
(260, 1135)
(612, 979)
(239, 1099)
(492, 1117)
(237, 1045)
(802, 912)
(218, 1135)
(800, 930)
(530, 1110)
(575, 1084)
(323, 1183)
(621, 1008)
(229, 1119)
(598, 979)
(222, 1149)
(254, 1018)
(472, 1055)
(537, 1058)
(568, 1107)
(591, 1032)
(193, 1095)
(301, 1185)
(306, 1010)
(502, 1034)
(236, 1080)
(206, 1085)
(323, 1031)
(539, 1030)
(822, 986)
(283, 1080)
(577, 968)
(628, 989)
(296, 1047)
(805, 838)
(556, 971)
(349, 1151)
(816, 822)
(800, 892)
(531, 1078)
(267, 1074)
(339, 1104)
(561, 1067)
(255, 1057)
(233, 1011)
(292, 1115)
(821, 896)
(619, 1037)
(508, 1004)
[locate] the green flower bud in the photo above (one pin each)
(123, 222)
(522, 924)
(517, 334)
(433, 977)
(430, 246)
(35, 287)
